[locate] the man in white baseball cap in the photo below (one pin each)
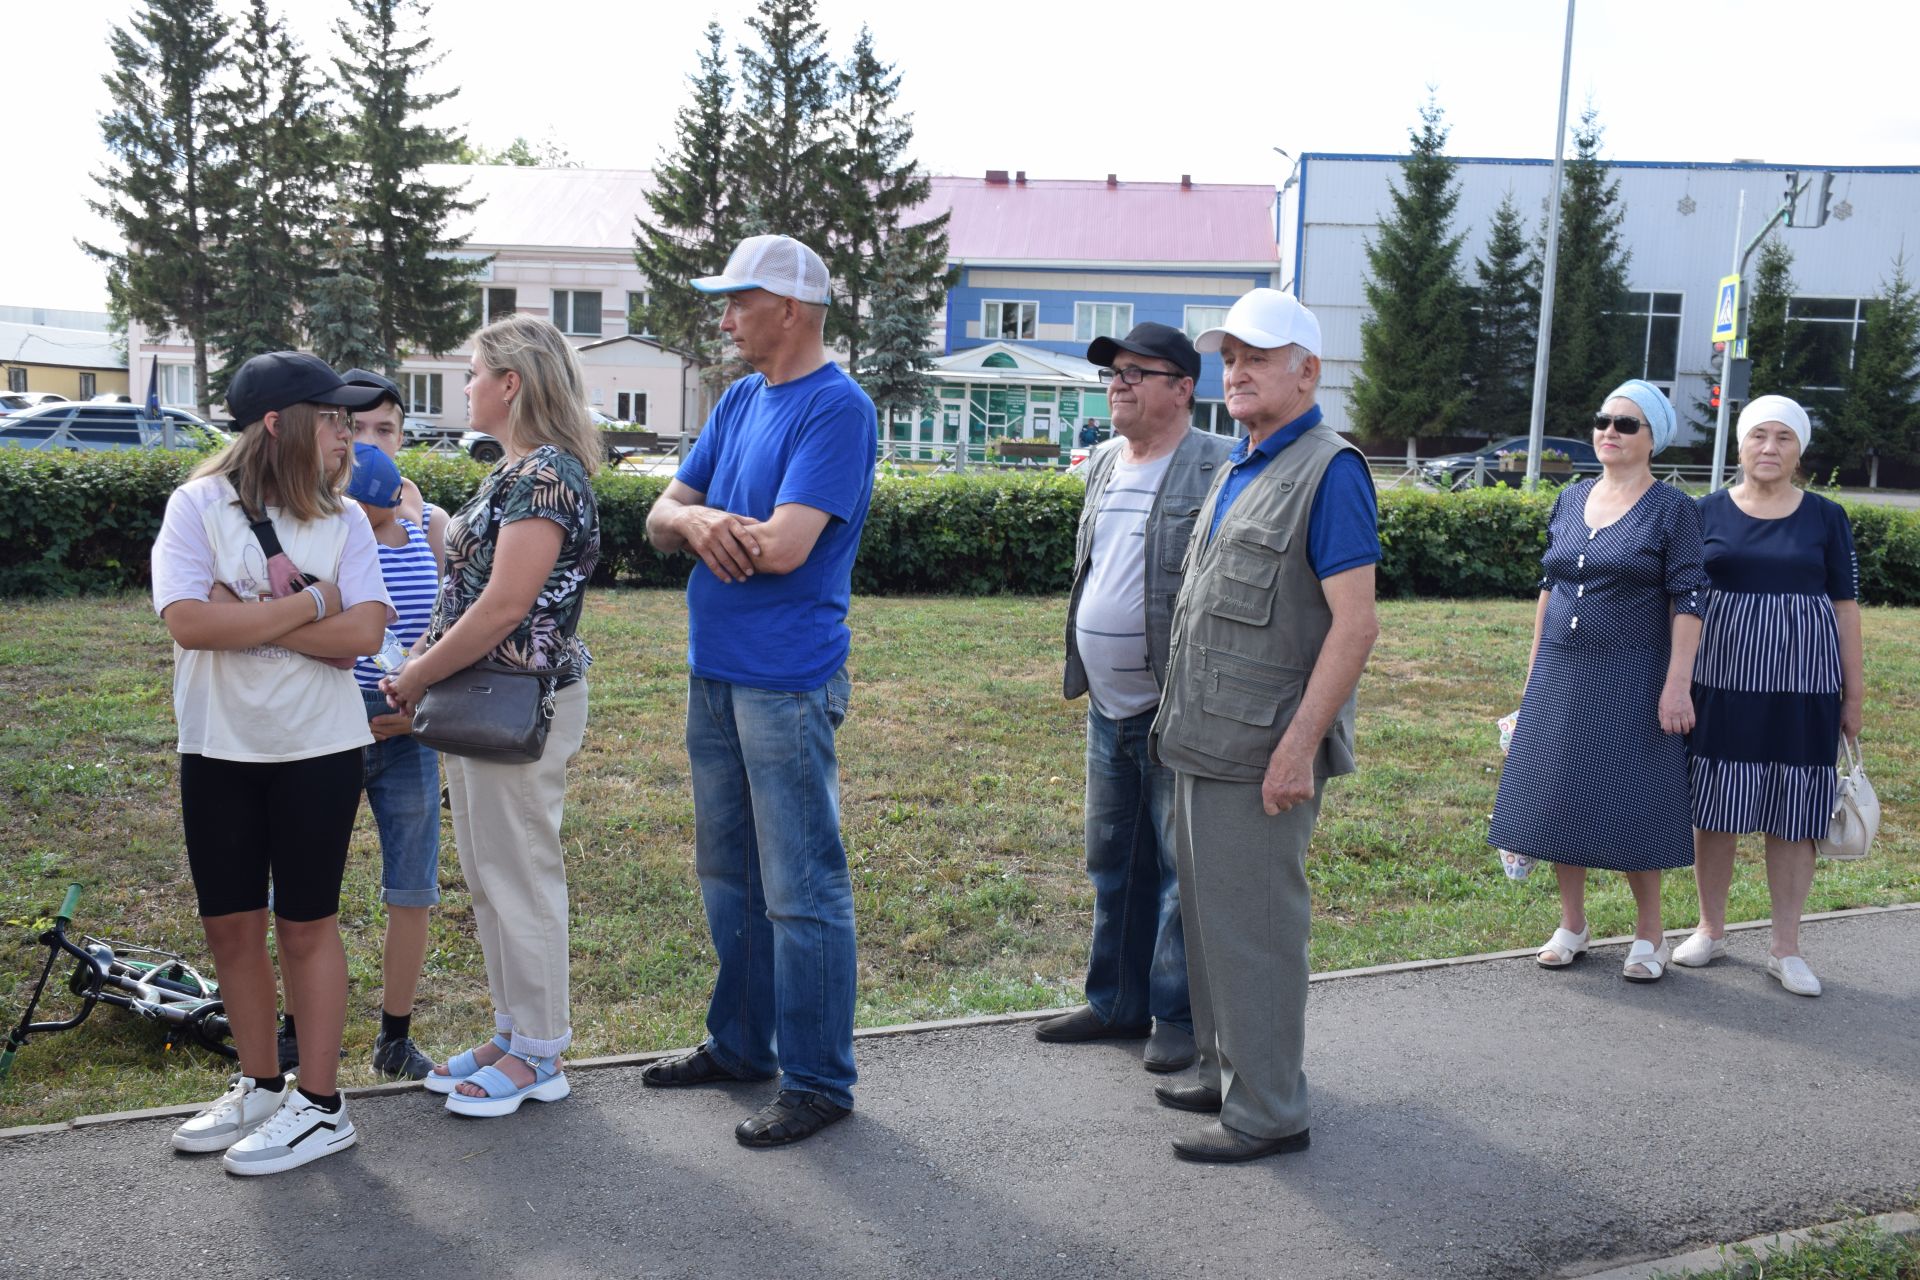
(770, 502)
(1271, 630)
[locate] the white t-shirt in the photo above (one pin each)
(266, 703)
(1110, 628)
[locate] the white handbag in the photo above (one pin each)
(1856, 812)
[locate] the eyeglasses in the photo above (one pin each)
(334, 419)
(1625, 423)
(1133, 375)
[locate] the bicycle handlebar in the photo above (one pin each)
(69, 905)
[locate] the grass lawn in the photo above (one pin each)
(962, 773)
(1853, 1252)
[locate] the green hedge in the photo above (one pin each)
(76, 522)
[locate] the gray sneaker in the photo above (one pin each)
(236, 1113)
(400, 1059)
(296, 1134)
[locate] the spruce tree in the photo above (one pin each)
(1590, 353)
(693, 223)
(1413, 345)
(1877, 410)
(272, 232)
(876, 183)
(163, 186)
(343, 315)
(1506, 325)
(783, 141)
(1774, 343)
(900, 330)
(425, 295)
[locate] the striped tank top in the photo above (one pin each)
(412, 583)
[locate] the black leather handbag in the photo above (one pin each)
(488, 712)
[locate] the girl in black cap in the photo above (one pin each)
(270, 586)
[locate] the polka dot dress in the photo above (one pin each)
(1590, 779)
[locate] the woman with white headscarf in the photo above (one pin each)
(1597, 772)
(1776, 683)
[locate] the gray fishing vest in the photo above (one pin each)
(1248, 626)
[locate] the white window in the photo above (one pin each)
(1827, 331)
(16, 379)
(636, 300)
(1101, 320)
(176, 384)
(87, 385)
(495, 303)
(1652, 324)
(631, 406)
(1201, 319)
(423, 393)
(577, 311)
(1008, 321)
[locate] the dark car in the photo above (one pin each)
(1454, 467)
(69, 425)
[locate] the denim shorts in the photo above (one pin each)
(403, 790)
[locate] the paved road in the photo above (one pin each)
(1484, 1120)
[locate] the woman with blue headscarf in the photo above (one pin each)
(1597, 772)
(1778, 682)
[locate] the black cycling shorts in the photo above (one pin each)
(286, 822)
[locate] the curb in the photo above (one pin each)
(954, 1024)
(1768, 1247)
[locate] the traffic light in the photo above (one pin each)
(1791, 197)
(1714, 368)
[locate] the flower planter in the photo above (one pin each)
(1027, 449)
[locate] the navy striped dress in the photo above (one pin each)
(1590, 778)
(412, 583)
(1767, 682)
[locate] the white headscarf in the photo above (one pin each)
(1776, 409)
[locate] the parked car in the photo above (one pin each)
(69, 425)
(484, 448)
(1448, 470)
(14, 401)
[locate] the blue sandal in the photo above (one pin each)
(503, 1096)
(461, 1066)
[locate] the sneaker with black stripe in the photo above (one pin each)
(298, 1133)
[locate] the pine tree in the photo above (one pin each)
(545, 154)
(425, 293)
(343, 317)
(1775, 345)
(164, 179)
(1877, 410)
(1505, 331)
(876, 184)
(1590, 353)
(694, 222)
(1413, 346)
(783, 142)
(272, 231)
(900, 329)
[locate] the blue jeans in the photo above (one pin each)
(773, 875)
(403, 791)
(1138, 964)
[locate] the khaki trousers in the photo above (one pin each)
(1245, 910)
(506, 825)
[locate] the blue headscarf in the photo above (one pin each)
(1654, 405)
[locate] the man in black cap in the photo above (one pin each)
(1143, 491)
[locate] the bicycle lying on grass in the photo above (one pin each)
(155, 984)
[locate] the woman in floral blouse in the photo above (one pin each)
(518, 557)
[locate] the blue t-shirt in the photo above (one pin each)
(810, 441)
(1343, 529)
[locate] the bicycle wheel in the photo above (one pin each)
(208, 1026)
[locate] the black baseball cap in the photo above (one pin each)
(1161, 341)
(281, 378)
(368, 378)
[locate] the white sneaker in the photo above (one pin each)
(1794, 975)
(1699, 950)
(297, 1133)
(243, 1108)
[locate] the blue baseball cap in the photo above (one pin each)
(376, 481)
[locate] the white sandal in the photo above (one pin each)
(1563, 943)
(1644, 954)
(1699, 950)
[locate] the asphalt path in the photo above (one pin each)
(1478, 1120)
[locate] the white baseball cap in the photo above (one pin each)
(778, 264)
(1266, 318)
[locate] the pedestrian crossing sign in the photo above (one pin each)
(1726, 312)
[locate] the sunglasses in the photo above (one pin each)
(1625, 423)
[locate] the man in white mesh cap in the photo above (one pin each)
(770, 502)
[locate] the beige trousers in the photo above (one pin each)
(506, 825)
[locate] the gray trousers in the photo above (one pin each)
(1245, 910)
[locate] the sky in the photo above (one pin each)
(1069, 90)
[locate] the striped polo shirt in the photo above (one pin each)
(412, 583)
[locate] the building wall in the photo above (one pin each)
(61, 379)
(1679, 227)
